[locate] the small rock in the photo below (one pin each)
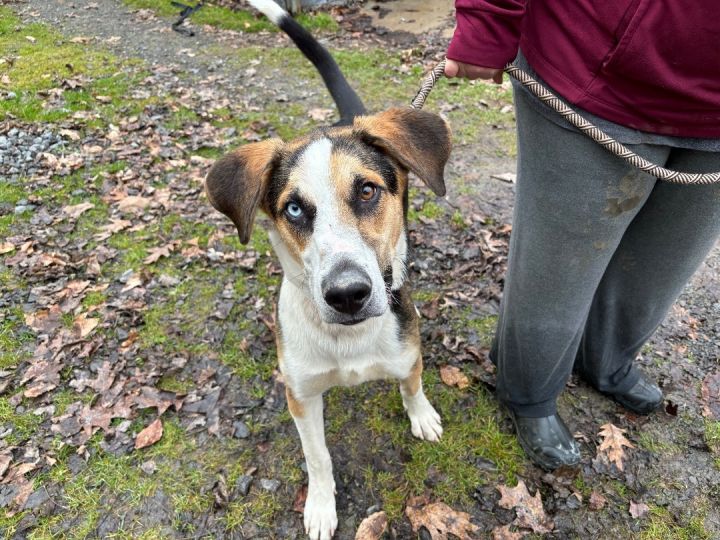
(168, 281)
(148, 467)
(240, 430)
(242, 486)
(371, 510)
(37, 498)
(270, 485)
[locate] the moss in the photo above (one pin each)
(48, 59)
(23, 424)
(662, 526)
(14, 335)
(712, 435)
(170, 383)
(228, 19)
(470, 432)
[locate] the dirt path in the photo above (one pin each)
(186, 338)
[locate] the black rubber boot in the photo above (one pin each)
(643, 398)
(546, 441)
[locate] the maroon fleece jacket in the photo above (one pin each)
(652, 65)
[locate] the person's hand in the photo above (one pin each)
(469, 71)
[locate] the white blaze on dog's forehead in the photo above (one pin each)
(270, 9)
(313, 170)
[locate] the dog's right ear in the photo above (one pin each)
(238, 181)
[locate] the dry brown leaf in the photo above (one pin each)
(612, 445)
(710, 391)
(439, 519)
(597, 501)
(132, 282)
(320, 115)
(133, 204)
(372, 527)
(157, 252)
(530, 511)
(638, 510)
(70, 134)
(82, 325)
(453, 376)
(504, 533)
(149, 435)
(44, 320)
(75, 211)
(81, 39)
(6, 247)
(300, 498)
(115, 225)
(5, 460)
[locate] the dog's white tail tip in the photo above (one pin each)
(270, 9)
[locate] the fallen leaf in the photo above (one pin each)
(82, 325)
(597, 501)
(149, 435)
(74, 211)
(31, 39)
(438, 519)
(6, 247)
(320, 115)
(115, 225)
(504, 533)
(372, 527)
(300, 498)
(612, 445)
(638, 510)
(453, 376)
(81, 39)
(157, 252)
(5, 460)
(133, 204)
(44, 321)
(530, 511)
(710, 391)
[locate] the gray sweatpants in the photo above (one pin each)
(598, 254)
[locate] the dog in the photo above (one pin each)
(337, 202)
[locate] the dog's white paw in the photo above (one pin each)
(425, 422)
(320, 517)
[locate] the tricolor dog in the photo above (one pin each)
(337, 202)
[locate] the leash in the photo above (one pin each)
(592, 131)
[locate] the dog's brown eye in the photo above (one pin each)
(368, 191)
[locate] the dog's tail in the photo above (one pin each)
(348, 103)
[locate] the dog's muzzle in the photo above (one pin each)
(347, 289)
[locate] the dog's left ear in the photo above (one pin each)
(418, 140)
(238, 181)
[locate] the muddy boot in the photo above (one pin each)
(546, 441)
(643, 398)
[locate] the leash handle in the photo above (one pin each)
(586, 127)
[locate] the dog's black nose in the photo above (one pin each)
(347, 290)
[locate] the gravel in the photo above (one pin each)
(20, 154)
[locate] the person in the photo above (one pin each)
(599, 251)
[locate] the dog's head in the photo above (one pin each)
(338, 200)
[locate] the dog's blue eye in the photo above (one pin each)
(293, 210)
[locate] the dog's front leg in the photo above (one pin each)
(319, 515)
(424, 420)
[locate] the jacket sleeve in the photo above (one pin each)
(487, 32)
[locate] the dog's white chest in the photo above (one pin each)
(315, 358)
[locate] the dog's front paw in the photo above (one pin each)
(425, 422)
(320, 517)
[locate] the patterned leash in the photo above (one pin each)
(595, 133)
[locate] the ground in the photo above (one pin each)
(126, 298)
